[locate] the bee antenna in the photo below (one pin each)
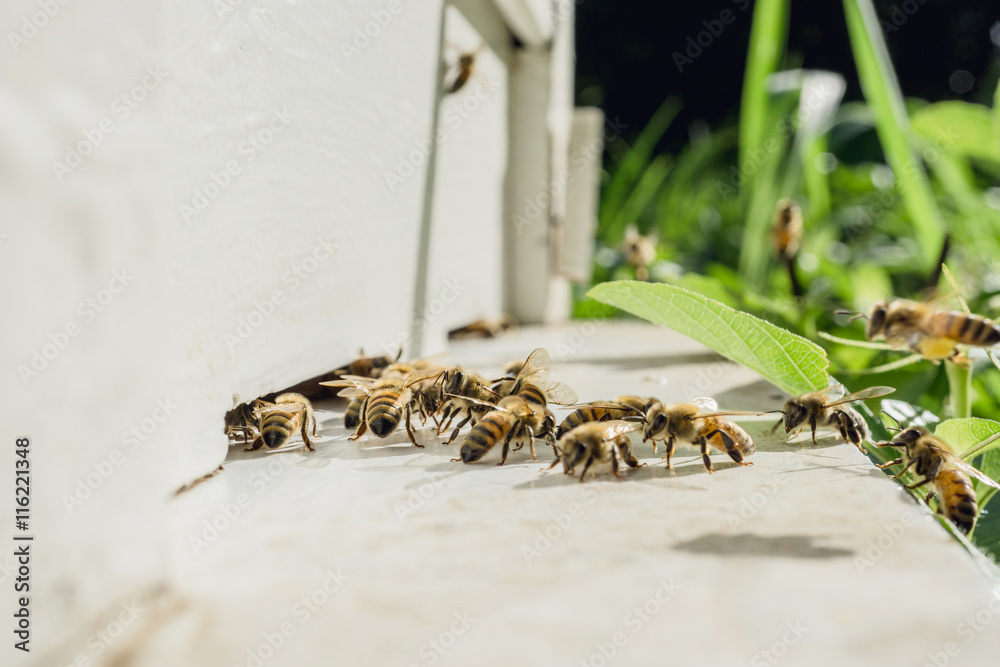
(854, 315)
(898, 425)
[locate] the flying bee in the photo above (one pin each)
(787, 230)
(514, 420)
(464, 390)
(289, 413)
(639, 251)
(243, 420)
(630, 408)
(942, 470)
(689, 422)
(533, 385)
(817, 408)
(386, 401)
(934, 334)
(596, 442)
(466, 67)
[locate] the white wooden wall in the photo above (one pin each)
(251, 204)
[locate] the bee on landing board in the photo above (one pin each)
(370, 367)
(698, 423)
(596, 443)
(387, 401)
(948, 475)
(819, 408)
(243, 420)
(932, 333)
(513, 420)
(628, 408)
(289, 413)
(463, 391)
(532, 382)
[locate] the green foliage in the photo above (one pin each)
(788, 361)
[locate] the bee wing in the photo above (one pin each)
(607, 404)
(356, 387)
(613, 429)
(968, 468)
(730, 413)
(429, 362)
(351, 392)
(536, 367)
(561, 394)
(420, 376)
(870, 392)
(706, 403)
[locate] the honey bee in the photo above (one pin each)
(533, 385)
(352, 415)
(817, 408)
(787, 230)
(941, 469)
(639, 251)
(932, 333)
(464, 390)
(596, 442)
(514, 420)
(466, 66)
(243, 420)
(289, 413)
(485, 328)
(623, 407)
(689, 422)
(370, 367)
(386, 401)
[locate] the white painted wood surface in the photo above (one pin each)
(244, 169)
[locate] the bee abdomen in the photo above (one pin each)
(277, 428)
(383, 413)
(486, 433)
(532, 394)
(958, 499)
(352, 416)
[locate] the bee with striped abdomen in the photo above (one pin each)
(370, 367)
(818, 408)
(698, 423)
(243, 420)
(596, 442)
(948, 475)
(386, 401)
(289, 413)
(463, 391)
(513, 420)
(934, 334)
(630, 408)
(532, 382)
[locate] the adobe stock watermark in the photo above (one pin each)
(752, 505)
(32, 24)
(450, 293)
(891, 535)
(695, 45)
(561, 522)
(772, 655)
(363, 35)
(537, 207)
(100, 641)
(293, 278)
(432, 650)
(86, 311)
(229, 512)
(302, 611)
(635, 620)
(131, 440)
(459, 108)
(418, 496)
(220, 179)
(121, 108)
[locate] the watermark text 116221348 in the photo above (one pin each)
(22, 544)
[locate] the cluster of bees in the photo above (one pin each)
(514, 410)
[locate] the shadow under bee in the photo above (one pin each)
(748, 544)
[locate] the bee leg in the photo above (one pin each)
(903, 469)
(409, 428)
(454, 434)
(775, 427)
(670, 450)
(731, 449)
(883, 466)
(928, 499)
(506, 445)
(812, 425)
(531, 444)
(446, 419)
(256, 445)
(703, 442)
(614, 465)
(917, 485)
(626, 451)
(585, 467)
(362, 427)
(554, 463)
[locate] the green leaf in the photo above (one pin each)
(785, 359)
(965, 435)
(963, 128)
(881, 90)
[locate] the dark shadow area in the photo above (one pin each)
(783, 546)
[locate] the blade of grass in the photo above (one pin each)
(767, 44)
(881, 90)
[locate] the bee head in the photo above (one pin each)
(656, 421)
(571, 452)
(876, 320)
(795, 414)
(907, 437)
